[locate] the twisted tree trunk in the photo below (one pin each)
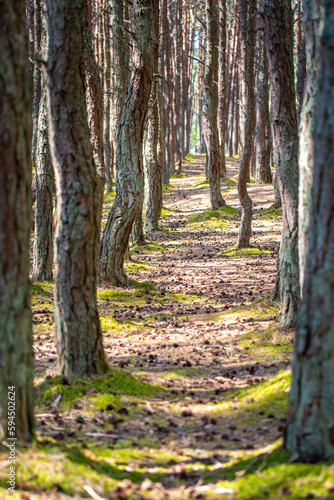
(129, 175)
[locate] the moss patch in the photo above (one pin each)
(245, 252)
(224, 213)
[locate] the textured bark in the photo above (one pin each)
(121, 68)
(43, 238)
(210, 106)
(152, 166)
(310, 425)
(129, 175)
(279, 39)
(247, 21)
(222, 86)
(263, 140)
(16, 354)
(313, 22)
(37, 38)
(78, 331)
(152, 163)
(300, 57)
(106, 68)
(93, 97)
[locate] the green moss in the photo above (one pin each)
(230, 182)
(166, 212)
(224, 213)
(178, 176)
(166, 188)
(245, 252)
(135, 267)
(269, 396)
(206, 182)
(109, 323)
(150, 247)
(270, 213)
(270, 475)
(96, 391)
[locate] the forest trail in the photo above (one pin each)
(198, 332)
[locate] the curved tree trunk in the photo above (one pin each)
(78, 331)
(247, 20)
(310, 425)
(279, 39)
(313, 21)
(210, 106)
(16, 354)
(129, 175)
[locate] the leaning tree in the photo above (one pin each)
(129, 174)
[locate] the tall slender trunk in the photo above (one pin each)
(106, 69)
(222, 85)
(16, 354)
(43, 238)
(129, 176)
(93, 97)
(313, 22)
(263, 138)
(279, 40)
(247, 20)
(210, 105)
(78, 331)
(300, 57)
(310, 423)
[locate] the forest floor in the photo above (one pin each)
(196, 401)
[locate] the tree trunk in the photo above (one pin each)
(78, 331)
(93, 97)
(300, 57)
(43, 238)
(16, 354)
(310, 425)
(152, 165)
(263, 128)
(129, 177)
(279, 40)
(222, 86)
(106, 69)
(121, 69)
(210, 106)
(247, 20)
(313, 22)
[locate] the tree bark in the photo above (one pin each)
(93, 97)
(78, 331)
(263, 138)
(300, 57)
(310, 425)
(279, 40)
(313, 22)
(129, 176)
(210, 105)
(120, 67)
(16, 354)
(43, 238)
(106, 69)
(152, 164)
(247, 20)
(222, 86)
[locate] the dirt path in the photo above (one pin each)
(199, 324)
